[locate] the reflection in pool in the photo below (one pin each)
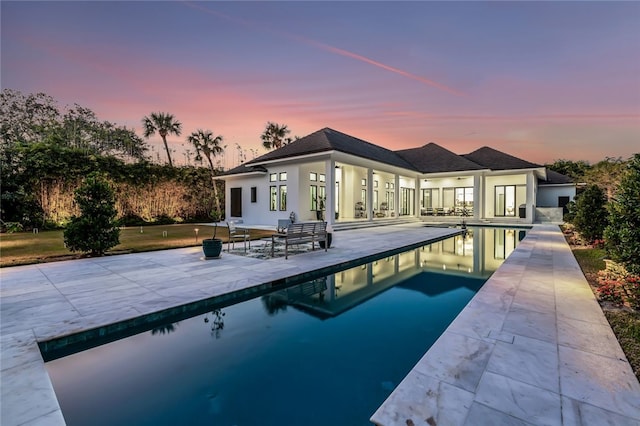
(325, 352)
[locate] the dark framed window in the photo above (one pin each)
(507, 199)
(283, 197)
(273, 177)
(283, 176)
(254, 194)
(313, 195)
(273, 198)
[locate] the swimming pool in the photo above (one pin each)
(326, 352)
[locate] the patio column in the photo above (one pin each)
(416, 201)
(396, 195)
(369, 194)
(531, 197)
(330, 191)
(478, 197)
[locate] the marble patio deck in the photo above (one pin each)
(531, 348)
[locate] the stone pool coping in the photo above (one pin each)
(531, 347)
(41, 302)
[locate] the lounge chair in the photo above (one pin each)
(237, 234)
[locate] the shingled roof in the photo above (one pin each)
(244, 168)
(555, 178)
(497, 160)
(331, 140)
(432, 158)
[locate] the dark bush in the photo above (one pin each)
(623, 233)
(96, 229)
(591, 215)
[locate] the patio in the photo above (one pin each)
(536, 305)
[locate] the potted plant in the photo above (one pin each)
(212, 247)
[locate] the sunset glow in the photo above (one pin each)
(539, 80)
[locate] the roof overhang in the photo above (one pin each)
(292, 159)
(247, 174)
(469, 173)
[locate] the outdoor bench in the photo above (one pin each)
(300, 233)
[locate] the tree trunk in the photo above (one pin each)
(215, 188)
(166, 147)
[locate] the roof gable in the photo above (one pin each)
(331, 140)
(497, 160)
(432, 158)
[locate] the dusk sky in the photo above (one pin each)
(539, 80)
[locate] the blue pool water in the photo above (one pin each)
(327, 352)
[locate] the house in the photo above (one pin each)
(340, 178)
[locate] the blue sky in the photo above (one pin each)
(539, 80)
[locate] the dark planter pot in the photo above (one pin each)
(321, 243)
(212, 248)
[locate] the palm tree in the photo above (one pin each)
(275, 136)
(205, 143)
(163, 123)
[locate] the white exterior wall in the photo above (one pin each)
(251, 212)
(548, 195)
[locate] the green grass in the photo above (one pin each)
(590, 260)
(24, 247)
(626, 326)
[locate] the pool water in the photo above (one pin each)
(327, 352)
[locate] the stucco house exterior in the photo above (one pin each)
(340, 178)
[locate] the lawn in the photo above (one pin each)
(24, 248)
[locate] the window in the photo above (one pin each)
(363, 198)
(426, 201)
(273, 198)
(313, 177)
(322, 178)
(375, 199)
(254, 194)
(313, 195)
(322, 192)
(364, 182)
(507, 198)
(273, 177)
(283, 197)
(283, 176)
(375, 183)
(407, 196)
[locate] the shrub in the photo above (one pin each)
(623, 232)
(590, 213)
(96, 229)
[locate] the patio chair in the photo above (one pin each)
(237, 234)
(283, 224)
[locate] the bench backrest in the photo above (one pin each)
(309, 228)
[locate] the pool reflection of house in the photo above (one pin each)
(473, 257)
